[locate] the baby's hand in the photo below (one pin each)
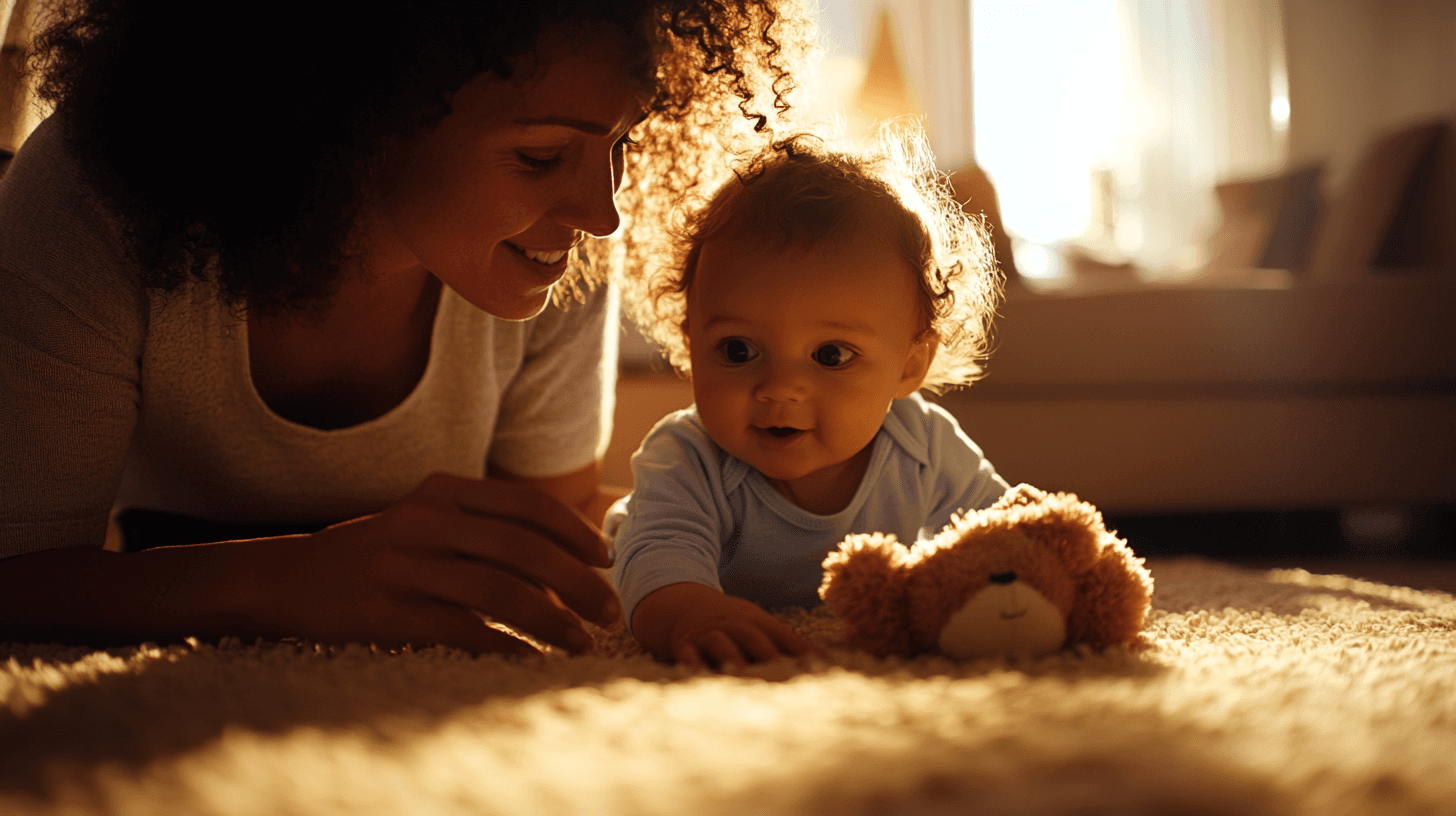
(691, 622)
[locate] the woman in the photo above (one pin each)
(300, 274)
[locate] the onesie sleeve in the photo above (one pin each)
(556, 413)
(961, 478)
(72, 325)
(670, 529)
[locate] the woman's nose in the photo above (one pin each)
(781, 383)
(591, 204)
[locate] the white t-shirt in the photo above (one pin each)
(111, 393)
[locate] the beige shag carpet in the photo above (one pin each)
(1266, 692)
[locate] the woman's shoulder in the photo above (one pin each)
(62, 256)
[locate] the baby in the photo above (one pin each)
(819, 291)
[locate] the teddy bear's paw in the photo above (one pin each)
(864, 586)
(1019, 495)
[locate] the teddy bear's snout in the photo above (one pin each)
(1007, 616)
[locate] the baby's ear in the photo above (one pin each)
(917, 364)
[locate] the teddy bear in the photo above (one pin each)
(1034, 573)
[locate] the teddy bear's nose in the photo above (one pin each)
(1003, 577)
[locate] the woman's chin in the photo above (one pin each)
(513, 307)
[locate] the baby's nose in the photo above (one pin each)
(781, 383)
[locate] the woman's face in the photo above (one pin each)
(490, 198)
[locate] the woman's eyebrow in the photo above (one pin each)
(583, 125)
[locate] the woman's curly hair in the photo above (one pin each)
(235, 145)
(803, 191)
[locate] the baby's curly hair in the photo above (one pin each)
(805, 190)
(236, 145)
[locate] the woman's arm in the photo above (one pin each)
(410, 574)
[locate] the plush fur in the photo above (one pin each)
(1033, 573)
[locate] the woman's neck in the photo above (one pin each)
(350, 359)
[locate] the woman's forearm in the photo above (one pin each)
(89, 595)
(415, 573)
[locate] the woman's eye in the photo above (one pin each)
(539, 162)
(832, 355)
(736, 350)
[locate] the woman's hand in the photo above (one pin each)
(690, 622)
(414, 572)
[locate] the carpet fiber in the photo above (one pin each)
(1266, 692)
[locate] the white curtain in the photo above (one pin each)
(1107, 123)
(935, 49)
(1205, 94)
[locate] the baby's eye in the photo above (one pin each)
(832, 355)
(737, 350)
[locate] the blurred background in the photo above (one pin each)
(1228, 229)
(1229, 233)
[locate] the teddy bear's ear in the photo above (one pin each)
(1071, 528)
(864, 586)
(1113, 599)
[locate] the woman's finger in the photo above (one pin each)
(518, 551)
(461, 628)
(503, 597)
(525, 506)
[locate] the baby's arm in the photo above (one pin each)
(960, 479)
(690, 622)
(668, 542)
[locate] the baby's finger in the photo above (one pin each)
(787, 640)
(721, 649)
(757, 645)
(686, 654)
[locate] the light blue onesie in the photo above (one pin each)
(699, 514)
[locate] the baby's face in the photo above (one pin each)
(796, 354)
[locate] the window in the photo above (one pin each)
(1104, 124)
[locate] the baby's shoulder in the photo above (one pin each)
(679, 437)
(922, 428)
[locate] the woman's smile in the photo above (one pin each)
(547, 265)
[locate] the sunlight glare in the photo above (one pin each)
(1279, 112)
(1048, 86)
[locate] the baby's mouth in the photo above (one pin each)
(780, 431)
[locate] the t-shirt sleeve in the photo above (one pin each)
(556, 413)
(669, 530)
(72, 325)
(962, 478)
